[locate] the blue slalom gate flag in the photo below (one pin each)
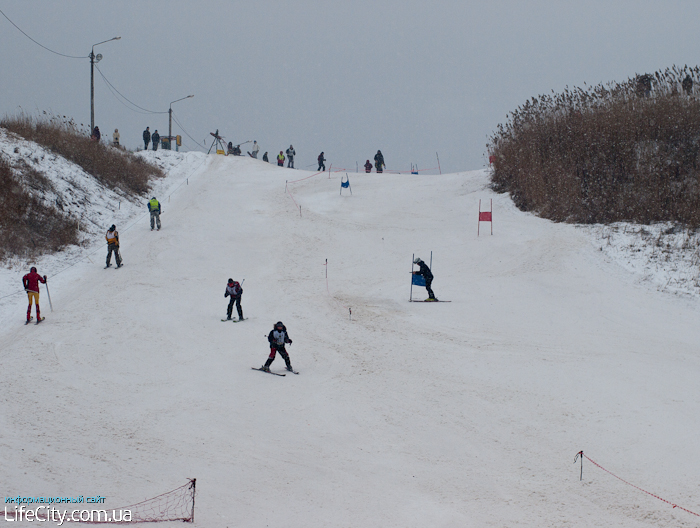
(345, 184)
(418, 280)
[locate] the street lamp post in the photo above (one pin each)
(170, 120)
(93, 60)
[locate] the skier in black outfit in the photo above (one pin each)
(146, 138)
(234, 290)
(321, 164)
(427, 275)
(277, 338)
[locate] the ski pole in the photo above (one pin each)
(49, 294)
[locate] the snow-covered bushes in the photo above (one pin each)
(29, 227)
(115, 168)
(619, 152)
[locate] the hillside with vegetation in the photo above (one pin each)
(624, 151)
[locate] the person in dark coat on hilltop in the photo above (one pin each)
(321, 164)
(155, 138)
(368, 167)
(379, 161)
(96, 135)
(146, 138)
(687, 85)
(31, 285)
(427, 275)
(234, 290)
(229, 148)
(278, 337)
(265, 158)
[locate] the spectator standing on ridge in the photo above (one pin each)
(278, 337)
(280, 159)
(115, 137)
(265, 158)
(290, 157)
(112, 237)
(155, 139)
(687, 85)
(31, 285)
(256, 149)
(379, 161)
(321, 164)
(233, 290)
(146, 138)
(154, 209)
(368, 167)
(96, 136)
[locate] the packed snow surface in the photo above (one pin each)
(466, 413)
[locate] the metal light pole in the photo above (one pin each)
(170, 120)
(93, 60)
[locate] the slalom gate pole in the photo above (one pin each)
(438, 158)
(431, 261)
(49, 295)
(410, 297)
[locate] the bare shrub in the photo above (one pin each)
(28, 228)
(617, 152)
(115, 168)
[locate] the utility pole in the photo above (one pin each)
(170, 120)
(94, 59)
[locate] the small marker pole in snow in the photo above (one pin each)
(438, 158)
(49, 295)
(120, 205)
(329, 171)
(357, 167)
(579, 455)
(410, 297)
(350, 310)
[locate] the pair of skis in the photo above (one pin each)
(119, 266)
(274, 373)
(233, 320)
(32, 318)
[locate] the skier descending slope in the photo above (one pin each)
(427, 275)
(278, 337)
(233, 290)
(31, 285)
(112, 237)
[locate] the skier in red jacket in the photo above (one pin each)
(31, 285)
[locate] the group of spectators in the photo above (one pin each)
(150, 138)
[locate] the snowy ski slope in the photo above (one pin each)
(456, 414)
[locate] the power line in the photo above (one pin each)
(185, 131)
(39, 44)
(145, 110)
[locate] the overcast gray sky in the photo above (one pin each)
(407, 77)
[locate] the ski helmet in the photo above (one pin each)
(230, 281)
(113, 227)
(417, 260)
(279, 324)
(33, 269)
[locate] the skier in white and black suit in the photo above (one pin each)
(427, 275)
(290, 157)
(277, 338)
(234, 290)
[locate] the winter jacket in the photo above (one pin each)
(233, 291)
(280, 159)
(115, 137)
(155, 138)
(425, 271)
(291, 153)
(379, 160)
(31, 281)
(256, 148)
(321, 159)
(112, 237)
(154, 205)
(96, 134)
(265, 158)
(368, 166)
(146, 136)
(277, 339)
